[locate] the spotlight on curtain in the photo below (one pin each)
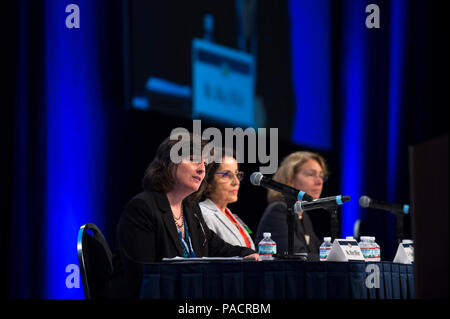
(75, 138)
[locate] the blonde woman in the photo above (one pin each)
(305, 171)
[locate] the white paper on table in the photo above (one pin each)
(197, 259)
(405, 254)
(345, 250)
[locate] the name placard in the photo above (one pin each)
(405, 253)
(345, 250)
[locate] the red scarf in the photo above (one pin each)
(234, 221)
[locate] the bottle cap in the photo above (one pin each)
(267, 234)
(327, 239)
(407, 241)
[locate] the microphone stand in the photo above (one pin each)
(290, 219)
(291, 223)
(292, 226)
(334, 222)
(400, 228)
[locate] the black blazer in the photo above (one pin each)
(146, 232)
(274, 222)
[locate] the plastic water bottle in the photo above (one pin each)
(376, 250)
(267, 247)
(325, 248)
(366, 248)
(371, 242)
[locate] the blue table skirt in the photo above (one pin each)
(279, 279)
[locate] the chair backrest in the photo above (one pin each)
(95, 261)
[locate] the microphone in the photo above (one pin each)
(326, 202)
(397, 209)
(259, 179)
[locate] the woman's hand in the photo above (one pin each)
(252, 256)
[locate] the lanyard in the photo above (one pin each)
(187, 249)
(230, 216)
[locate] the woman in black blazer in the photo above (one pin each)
(305, 171)
(162, 221)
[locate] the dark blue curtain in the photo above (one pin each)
(63, 106)
(384, 84)
(371, 95)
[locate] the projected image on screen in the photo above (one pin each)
(226, 62)
(160, 50)
(223, 83)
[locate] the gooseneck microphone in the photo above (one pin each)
(326, 202)
(397, 209)
(259, 179)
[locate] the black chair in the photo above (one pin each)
(95, 260)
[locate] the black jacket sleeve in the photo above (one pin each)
(144, 235)
(315, 242)
(274, 222)
(136, 232)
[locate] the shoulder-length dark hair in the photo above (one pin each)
(211, 170)
(159, 173)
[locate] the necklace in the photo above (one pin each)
(179, 223)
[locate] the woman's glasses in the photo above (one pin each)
(228, 175)
(313, 174)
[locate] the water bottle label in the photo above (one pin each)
(324, 251)
(367, 252)
(377, 253)
(269, 249)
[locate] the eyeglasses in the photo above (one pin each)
(230, 175)
(313, 174)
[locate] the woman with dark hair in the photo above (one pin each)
(161, 222)
(222, 186)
